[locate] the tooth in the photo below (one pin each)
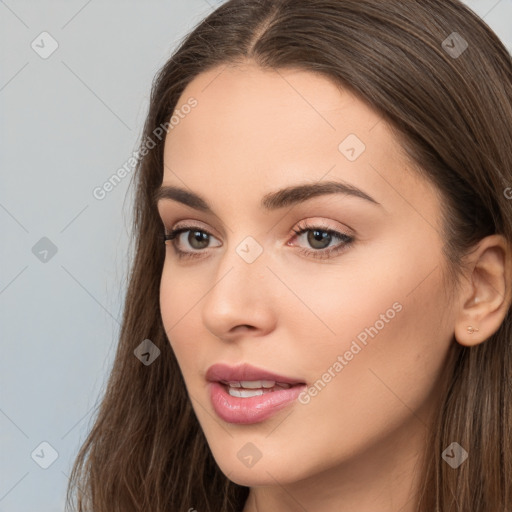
(245, 393)
(256, 384)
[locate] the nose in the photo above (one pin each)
(240, 300)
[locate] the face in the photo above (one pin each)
(339, 290)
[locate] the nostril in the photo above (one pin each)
(245, 326)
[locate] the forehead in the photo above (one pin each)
(261, 109)
(253, 130)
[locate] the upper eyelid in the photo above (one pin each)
(185, 225)
(312, 219)
(318, 222)
(170, 209)
(163, 205)
(303, 225)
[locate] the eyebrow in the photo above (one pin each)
(272, 201)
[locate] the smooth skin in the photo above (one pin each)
(356, 445)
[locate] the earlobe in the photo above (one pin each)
(486, 296)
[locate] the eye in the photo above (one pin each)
(197, 238)
(320, 238)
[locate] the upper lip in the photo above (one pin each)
(245, 372)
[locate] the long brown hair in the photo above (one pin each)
(450, 107)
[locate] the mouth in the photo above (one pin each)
(248, 388)
(246, 394)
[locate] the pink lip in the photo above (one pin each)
(218, 372)
(234, 409)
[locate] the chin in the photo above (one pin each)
(263, 472)
(255, 477)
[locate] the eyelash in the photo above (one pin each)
(346, 241)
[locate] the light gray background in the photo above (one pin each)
(68, 122)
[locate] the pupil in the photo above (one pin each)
(319, 236)
(199, 237)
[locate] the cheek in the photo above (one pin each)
(338, 307)
(388, 352)
(179, 295)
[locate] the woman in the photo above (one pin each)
(318, 314)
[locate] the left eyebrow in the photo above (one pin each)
(271, 201)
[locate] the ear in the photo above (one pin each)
(485, 295)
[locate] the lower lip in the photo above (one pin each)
(234, 409)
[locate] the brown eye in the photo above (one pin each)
(319, 239)
(198, 237)
(197, 240)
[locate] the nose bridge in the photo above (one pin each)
(245, 261)
(239, 295)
